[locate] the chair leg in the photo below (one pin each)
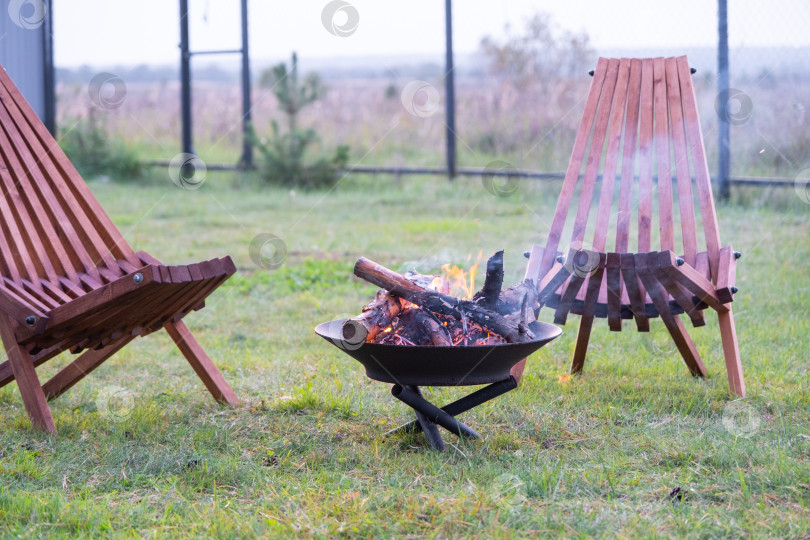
(684, 343)
(581, 348)
(588, 313)
(202, 364)
(517, 370)
(731, 350)
(673, 322)
(30, 389)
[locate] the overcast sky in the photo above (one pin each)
(123, 32)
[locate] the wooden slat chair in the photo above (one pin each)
(640, 116)
(69, 280)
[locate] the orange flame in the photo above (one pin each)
(456, 281)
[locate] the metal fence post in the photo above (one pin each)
(247, 148)
(49, 77)
(185, 79)
(450, 91)
(724, 132)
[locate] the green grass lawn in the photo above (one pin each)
(143, 450)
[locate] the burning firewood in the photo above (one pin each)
(379, 313)
(495, 326)
(376, 315)
(415, 326)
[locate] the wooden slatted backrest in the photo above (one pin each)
(640, 120)
(51, 225)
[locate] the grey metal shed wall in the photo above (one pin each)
(22, 51)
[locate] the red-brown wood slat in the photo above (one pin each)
(84, 308)
(614, 139)
(146, 310)
(673, 323)
(686, 203)
(80, 368)
(44, 144)
(16, 250)
(55, 291)
(158, 303)
(201, 363)
(18, 306)
(572, 287)
(186, 296)
(17, 190)
(574, 167)
(25, 295)
(533, 266)
(6, 374)
(731, 350)
(139, 313)
(22, 367)
(629, 157)
(64, 262)
(693, 280)
(98, 321)
(702, 265)
(634, 291)
(36, 207)
(595, 154)
(666, 225)
(645, 109)
(90, 283)
(194, 297)
(645, 158)
(726, 274)
(75, 289)
(35, 162)
(701, 167)
(613, 277)
(39, 293)
(588, 313)
(8, 256)
(682, 296)
(549, 288)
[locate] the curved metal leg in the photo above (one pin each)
(432, 412)
(464, 404)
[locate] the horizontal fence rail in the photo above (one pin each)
(762, 181)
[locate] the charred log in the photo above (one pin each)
(493, 282)
(397, 285)
(519, 301)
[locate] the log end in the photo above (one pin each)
(353, 331)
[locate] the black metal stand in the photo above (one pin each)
(428, 416)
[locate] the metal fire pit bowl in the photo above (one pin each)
(409, 366)
(427, 365)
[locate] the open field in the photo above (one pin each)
(531, 128)
(143, 450)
